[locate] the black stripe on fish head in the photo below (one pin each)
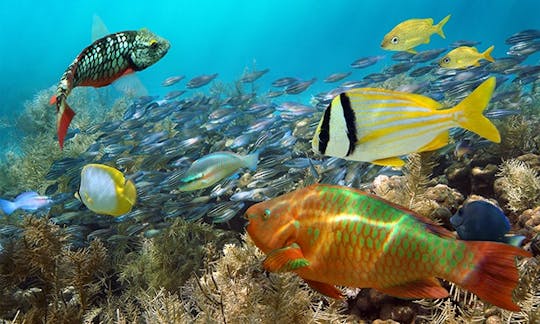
(324, 134)
(350, 121)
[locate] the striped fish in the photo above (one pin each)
(103, 62)
(334, 235)
(378, 125)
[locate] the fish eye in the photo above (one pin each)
(153, 43)
(394, 40)
(266, 214)
(446, 60)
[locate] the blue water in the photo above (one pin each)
(302, 38)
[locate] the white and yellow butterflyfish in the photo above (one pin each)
(104, 190)
(378, 125)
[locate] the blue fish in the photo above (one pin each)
(482, 221)
(27, 201)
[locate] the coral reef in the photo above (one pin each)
(518, 185)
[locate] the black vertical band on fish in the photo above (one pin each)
(324, 134)
(103, 62)
(350, 121)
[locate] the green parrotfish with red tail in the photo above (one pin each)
(102, 63)
(332, 235)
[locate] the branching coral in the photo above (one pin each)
(518, 185)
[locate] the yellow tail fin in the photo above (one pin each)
(487, 54)
(439, 26)
(472, 107)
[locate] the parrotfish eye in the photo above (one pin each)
(153, 43)
(266, 214)
(394, 40)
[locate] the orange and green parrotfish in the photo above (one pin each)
(464, 57)
(378, 125)
(411, 33)
(102, 63)
(332, 235)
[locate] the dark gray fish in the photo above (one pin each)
(523, 36)
(524, 48)
(423, 70)
(201, 80)
(257, 194)
(366, 61)
(403, 56)
(505, 64)
(225, 211)
(252, 76)
(464, 43)
(274, 94)
(334, 77)
(241, 141)
(377, 77)
(172, 80)
(427, 55)
(174, 94)
(398, 68)
(299, 87)
(284, 82)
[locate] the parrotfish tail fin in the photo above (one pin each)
(492, 273)
(7, 206)
(252, 160)
(487, 54)
(440, 25)
(130, 192)
(469, 112)
(65, 115)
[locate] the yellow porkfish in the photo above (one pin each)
(465, 56)
(104, 190)
(378, 125)
(411, 33)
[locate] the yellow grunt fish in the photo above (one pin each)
(411, 33)
(465, 56)
(379, 125)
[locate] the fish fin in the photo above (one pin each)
(99, 29)
(472, 108)
(494, 275)
(52, 101)
(412, 50)
(439, 141)
(391, 161)
(8, 207)
(423, 288)
(252, 160)
(514, 240)
(487, 54)
(325, 289)
(439, 26)
(129, 84)
(285, 259)
(476, 63)
(130, 192)
(64, 119)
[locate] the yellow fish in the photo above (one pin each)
(378, 125)
(465, 56)
(104, 190)
(411, 33)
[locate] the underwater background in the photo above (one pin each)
(182, 257)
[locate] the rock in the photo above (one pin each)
(445, 196)
(380, 321)
(482, 179)
(532, 160)
(459, 177)
(399, 313)
(494, 319)
(442, 214)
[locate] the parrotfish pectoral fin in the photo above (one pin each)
(424, 288)
(495, 275)
(52, 101)
(325, 289)
(470, 112)
(285, 259)
(391, 161)
(64, 119)
(7, 206)
(440, 141)
(441, 24)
